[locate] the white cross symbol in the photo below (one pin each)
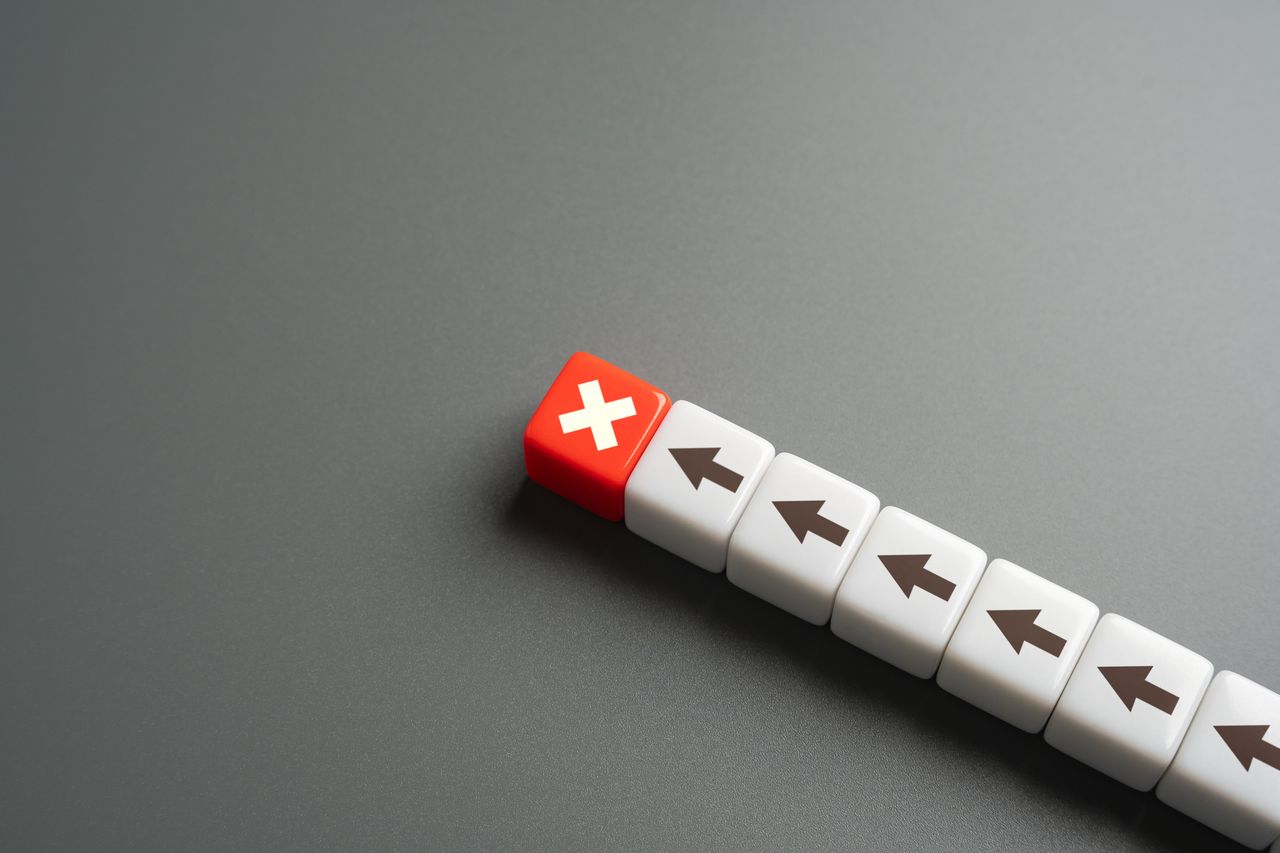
(597, 415)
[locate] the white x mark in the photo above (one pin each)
(597, 415)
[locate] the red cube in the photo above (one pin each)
(589, 431)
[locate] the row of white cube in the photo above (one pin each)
(818, 556)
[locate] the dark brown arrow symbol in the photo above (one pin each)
(699, 463)
(1019, 626)
(1247, 744)
(802, 517)
(1130, 684)
(908, 572)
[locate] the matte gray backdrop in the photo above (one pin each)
(282, 284)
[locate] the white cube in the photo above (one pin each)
(692, 483)
(1016, 645)
(906, 590)
(1227, 771)
(1129, 702)
(798, 535)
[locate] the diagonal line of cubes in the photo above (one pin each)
(1109, 692)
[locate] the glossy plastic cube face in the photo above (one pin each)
(1227, 771)
(691, 485)
(906, 590)
(1129, 702)
(798, 535)
(1016, 645)
(589, 431)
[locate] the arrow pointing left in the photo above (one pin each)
(908, 573)
(803, 517)
(1130, 684)
(1019, 627)
(1247, 744)
(699, 463)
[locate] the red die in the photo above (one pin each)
(589, 431)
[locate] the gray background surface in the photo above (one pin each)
(282, 284)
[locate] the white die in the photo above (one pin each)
(1016, 645)
(1129, 702)
(906, 590)
(692, 483)
(797, 536)
(1227, 771)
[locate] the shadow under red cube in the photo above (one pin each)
(589, 431)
